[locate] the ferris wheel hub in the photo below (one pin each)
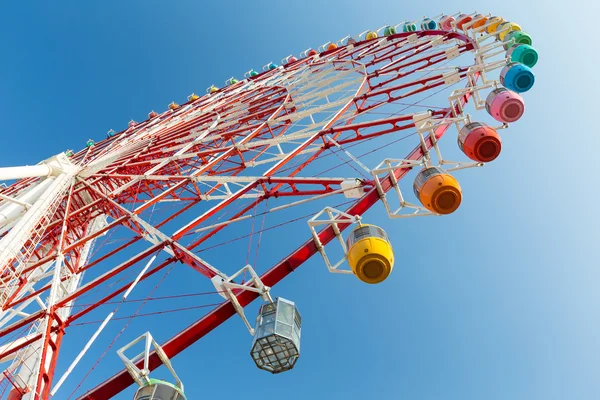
(53, 166)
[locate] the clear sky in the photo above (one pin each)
(504, 305)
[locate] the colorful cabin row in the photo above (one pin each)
(110, 133)
(152, 114)
(370, 253)
(89, 143)
(69, 153)
(173, 106)
(132, 124)
(193, 97)
(463, 22)
(212, 89)
(231, 81)
(437, 190)
(479, 142)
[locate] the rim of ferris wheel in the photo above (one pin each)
(335, 217)
(226, 285)
(141, 376)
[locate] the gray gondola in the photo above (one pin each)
(276, 344)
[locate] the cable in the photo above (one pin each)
(150, 314)
(119, 334)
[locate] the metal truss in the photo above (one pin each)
(241, 145)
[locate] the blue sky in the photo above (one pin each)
(504, 305)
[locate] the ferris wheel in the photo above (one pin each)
(211, 186)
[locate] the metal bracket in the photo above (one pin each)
(226, 286)
(387, 167)
(425, 123)
(335, 217)
(140, 376)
